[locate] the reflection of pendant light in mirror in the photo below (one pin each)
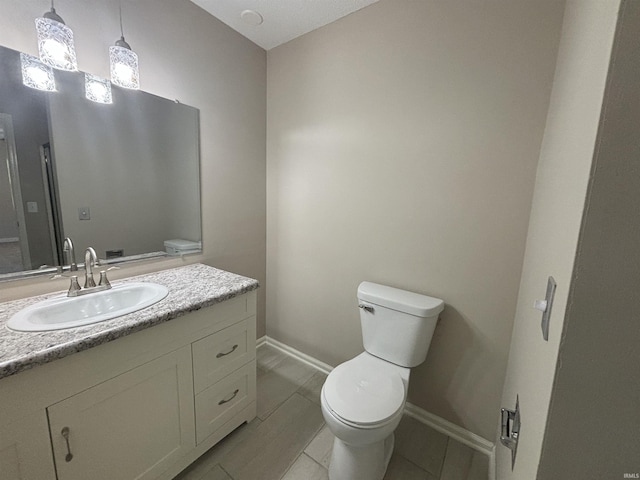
(97, 89)
(124, 63)
(55, 42)
(36, 74)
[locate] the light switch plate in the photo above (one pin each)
(84, 213)
(546, 315)
(32, 207)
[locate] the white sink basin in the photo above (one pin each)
(67, 312)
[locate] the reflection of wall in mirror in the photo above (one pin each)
(8, 225)
(29, 116)
(133, 163)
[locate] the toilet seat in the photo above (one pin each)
(361, 395)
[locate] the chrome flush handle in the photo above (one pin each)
(366, 308)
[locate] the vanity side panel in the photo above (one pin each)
(25, 450)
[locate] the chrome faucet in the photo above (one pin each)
(90, 259)
(67, 247)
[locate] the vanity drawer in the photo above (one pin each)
(219, 354)
(220, 402)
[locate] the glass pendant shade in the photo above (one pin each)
(55, 43)
(124, 66)
(97, 89)
(36, 74)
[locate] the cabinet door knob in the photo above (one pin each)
(222, 402)
(65, 434)
(233, 349)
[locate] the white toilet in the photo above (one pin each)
(363, 398)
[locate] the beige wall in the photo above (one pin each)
(594, 417)
(401, 149)
(188, 55)
(558, 203)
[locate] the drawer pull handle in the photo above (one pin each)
(222, 402)
(65, 434)
(233, 349)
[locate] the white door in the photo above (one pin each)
(556, 214)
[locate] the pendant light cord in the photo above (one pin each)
(120, 9)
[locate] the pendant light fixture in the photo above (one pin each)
(55, 42)
(36, 74)
(97, 89)
(124, 62)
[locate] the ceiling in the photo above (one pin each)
(282, 20)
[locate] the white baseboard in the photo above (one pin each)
(450, 429)
(437, 423)
(9, 240)
(297, 354)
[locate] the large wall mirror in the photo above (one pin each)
(121, 177)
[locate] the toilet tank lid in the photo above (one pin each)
(400, 300)
(179, 243)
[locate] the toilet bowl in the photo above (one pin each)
(362, 403)
(363, 399)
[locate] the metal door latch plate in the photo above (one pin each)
(510, 430)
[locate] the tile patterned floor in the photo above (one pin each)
(289, 441)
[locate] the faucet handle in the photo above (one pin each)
(74, 288)
(104, 281)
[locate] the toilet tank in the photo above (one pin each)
(397, 325)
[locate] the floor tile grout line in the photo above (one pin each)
(278, 406)
(290, 466)
(225, 471)
(314, 460)
(444, 457)
(315, 434)
(437, 477)
(306, 445)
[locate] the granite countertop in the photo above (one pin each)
(190, 288)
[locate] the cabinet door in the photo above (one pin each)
(25, 450)
(133, 426)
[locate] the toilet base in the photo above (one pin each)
(357, 462)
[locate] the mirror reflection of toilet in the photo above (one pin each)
(363, 399)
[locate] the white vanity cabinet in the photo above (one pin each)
(142, 407)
